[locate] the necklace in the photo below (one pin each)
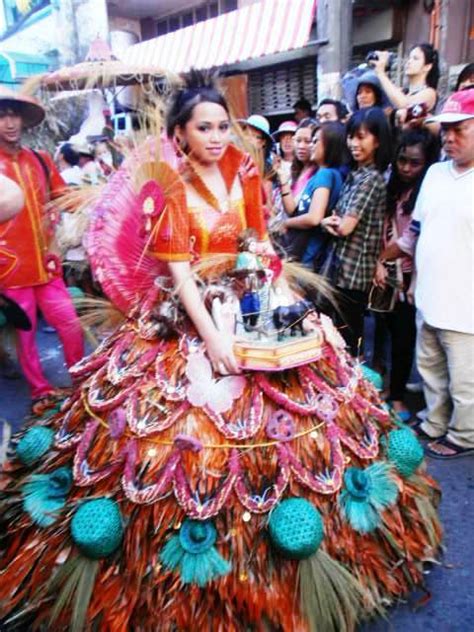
(196, 181)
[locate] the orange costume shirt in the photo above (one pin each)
(184, 232)
(24, 239)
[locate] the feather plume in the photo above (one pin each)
(330, 597)
(74, 583)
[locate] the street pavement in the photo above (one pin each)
(451, 584)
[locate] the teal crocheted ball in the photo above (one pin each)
(75, 292)
(97, 528)
(296, 528)
(405, 451)
(34, 444)
(372, 376)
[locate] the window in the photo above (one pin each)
(274, 90)
(187, 19)
(206, 11)
(162, 27)
(229, 5)
(174, 23)
(201, 14)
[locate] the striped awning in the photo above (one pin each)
(259, 29)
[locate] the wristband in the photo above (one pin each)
(284, 194)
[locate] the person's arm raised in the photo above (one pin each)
(395, 94)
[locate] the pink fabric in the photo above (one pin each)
(298, 186)
(55, 303)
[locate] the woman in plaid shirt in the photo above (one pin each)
(357, 221)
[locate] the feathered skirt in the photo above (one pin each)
(163, 497)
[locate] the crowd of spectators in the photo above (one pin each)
(361, 190)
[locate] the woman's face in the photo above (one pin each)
(416, 63)
(317, 154)
(303, 144)
(207, 134)
(365, 97)
(410, 163)
(363, 145)
(256, 137)
(287, 143)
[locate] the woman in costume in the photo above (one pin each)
(176, 490)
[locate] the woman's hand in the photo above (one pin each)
(219, 347)
(381, 273)
(380, 64)
(248, 168)
(331, 224)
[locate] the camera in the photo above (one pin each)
(373, 56)
(416, 111)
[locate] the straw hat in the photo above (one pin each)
(31, 112)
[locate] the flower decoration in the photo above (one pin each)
(193, 555)
(151, 201)
(366, 494)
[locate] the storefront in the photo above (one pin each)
(265, 50)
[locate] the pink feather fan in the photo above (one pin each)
(123, 221)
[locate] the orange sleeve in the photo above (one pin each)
(171, 231)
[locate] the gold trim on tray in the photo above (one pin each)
(273, 355)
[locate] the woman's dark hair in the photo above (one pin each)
(334, 142)
(430, 146)
(377, 90)
(69, 154)
(297, 166)
(199, 87)
(431, 57)
(466, 73)
(375, 122)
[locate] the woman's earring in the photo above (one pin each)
(179, 146)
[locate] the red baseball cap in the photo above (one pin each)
(459, 107)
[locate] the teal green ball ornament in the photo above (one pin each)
(75, 292)
(296, 528)
(196, 536)
(97, 528)
(372, 376)
(404, 451)
(34, 444)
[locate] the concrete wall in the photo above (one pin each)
(131, 25)
(38, 39)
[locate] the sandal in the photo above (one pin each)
(456, 451)
(420, 433)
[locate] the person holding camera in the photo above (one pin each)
(422, 73)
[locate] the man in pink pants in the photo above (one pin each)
(30, 273)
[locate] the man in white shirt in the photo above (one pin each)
(444, 295)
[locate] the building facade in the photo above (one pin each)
(273, 66)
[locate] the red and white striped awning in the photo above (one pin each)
(262, 28)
